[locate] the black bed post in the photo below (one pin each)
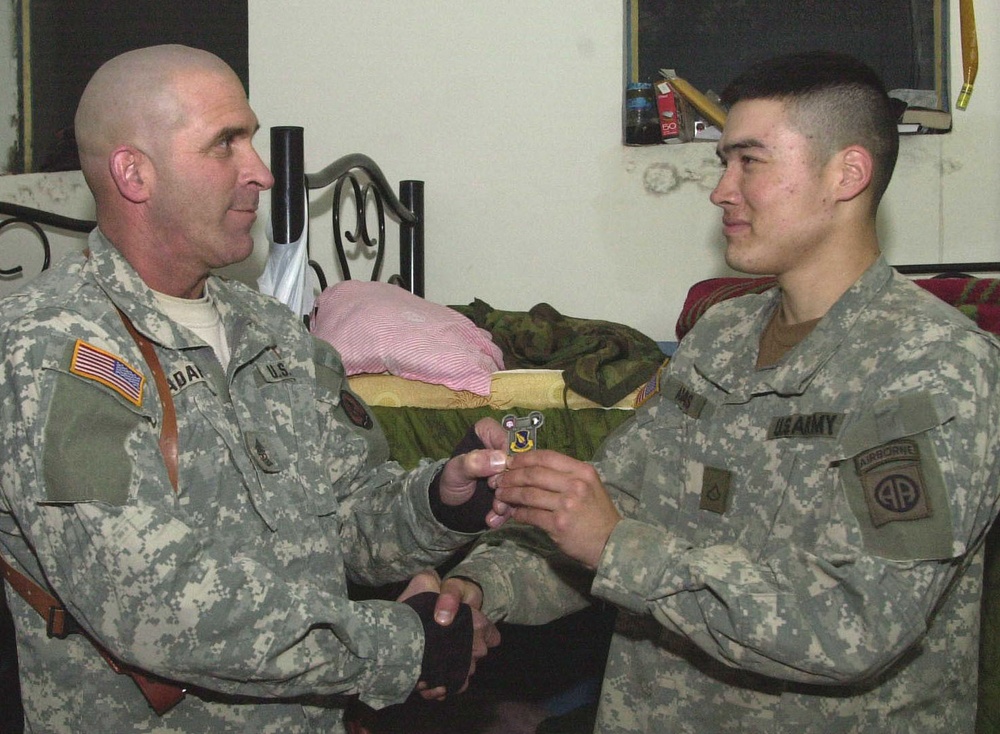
(288, 196)
(411, 237)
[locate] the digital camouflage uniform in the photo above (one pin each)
(801, 549)
(237, 584)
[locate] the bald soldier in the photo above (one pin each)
(189, 543)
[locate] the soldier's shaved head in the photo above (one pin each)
(165, 136)
(133, 100)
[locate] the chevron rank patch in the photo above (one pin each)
(93, 363)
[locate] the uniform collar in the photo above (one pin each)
(738, 375)
(122, 284)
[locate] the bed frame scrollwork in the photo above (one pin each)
(38, 221)
(368, 186)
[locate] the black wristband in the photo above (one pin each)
(470, 442)
(447, 650)
(470, 516)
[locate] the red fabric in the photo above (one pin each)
(707, 293)
(977, 298)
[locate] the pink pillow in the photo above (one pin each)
(378, 327)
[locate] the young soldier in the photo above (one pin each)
(791, 528)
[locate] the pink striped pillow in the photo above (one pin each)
(378, 327)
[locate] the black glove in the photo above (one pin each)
(470, 516)
(447, 650)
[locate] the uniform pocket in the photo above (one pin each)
(84, 456)
(892, 479)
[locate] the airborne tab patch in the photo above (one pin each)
(93, 363)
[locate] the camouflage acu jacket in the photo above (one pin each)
(802, 545)
(236, 585)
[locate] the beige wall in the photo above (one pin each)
(510, 113)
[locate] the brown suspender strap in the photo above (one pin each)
(168, 429)
(161, 695)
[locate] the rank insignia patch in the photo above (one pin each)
(893, 483)
(93, 363)
(715, 486)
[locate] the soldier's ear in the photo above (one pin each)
(854, 170)
(131, 171)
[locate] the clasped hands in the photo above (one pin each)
(558, 494)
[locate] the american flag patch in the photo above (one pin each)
(649, 389)
(107, 369)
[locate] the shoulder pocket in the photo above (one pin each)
(86, 429)
(892, 478)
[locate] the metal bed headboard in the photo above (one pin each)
(289, 201)
(37, 220)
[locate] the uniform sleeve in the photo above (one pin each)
(388, 531)
(842, 607)
(224, 623)
(524, 577)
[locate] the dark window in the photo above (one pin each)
(68, 41)
(708, 42)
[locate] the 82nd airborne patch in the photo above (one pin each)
(893, 482)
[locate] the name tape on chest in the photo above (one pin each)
(687, 400)
(189, 374)
(274, 370)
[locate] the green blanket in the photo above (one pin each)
(414, 433)
(601, 360)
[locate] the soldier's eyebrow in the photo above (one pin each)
(233, 132)
(725, 151)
